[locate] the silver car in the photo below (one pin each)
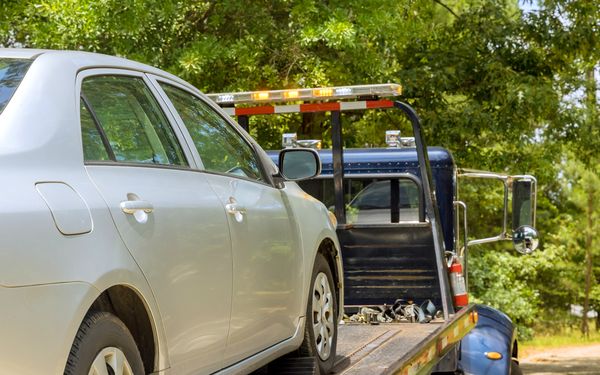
(143, 231)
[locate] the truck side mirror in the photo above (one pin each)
(523, 202)
(299, 164)
(525, 237)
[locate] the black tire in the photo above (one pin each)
(309, 345)
(100, 330)
(515, 369)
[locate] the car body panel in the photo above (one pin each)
(184, 244)
(37, 322)
(267, 266)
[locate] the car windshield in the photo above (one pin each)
(12, 72)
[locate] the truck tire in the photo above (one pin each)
(101, 342)
(320, 333)
(515, 369)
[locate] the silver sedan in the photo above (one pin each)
(143, 231)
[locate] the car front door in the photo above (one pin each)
(267, 271)
(166, 212)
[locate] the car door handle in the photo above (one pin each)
(233, 208)
(130, 207)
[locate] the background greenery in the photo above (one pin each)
(505, 89)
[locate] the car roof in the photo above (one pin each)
(86, 60)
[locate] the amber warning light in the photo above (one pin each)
(309, 94)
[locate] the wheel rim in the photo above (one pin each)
(323, 316)
(110, 361)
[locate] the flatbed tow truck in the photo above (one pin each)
(397, 211)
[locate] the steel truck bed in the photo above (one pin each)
(399, 348)
(374, 349)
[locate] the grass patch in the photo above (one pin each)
(568, 336)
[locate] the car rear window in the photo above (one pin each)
(12, 72)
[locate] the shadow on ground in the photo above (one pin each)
(562, 365)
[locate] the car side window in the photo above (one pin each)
(221, 148)
(128, 117)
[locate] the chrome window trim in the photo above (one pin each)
(110, 163)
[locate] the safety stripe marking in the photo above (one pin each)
(262, 110)
(319, 107)
(309, 107)
(293, 108)
(380, 104)
(347, 106)
(418, 364)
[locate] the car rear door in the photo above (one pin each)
(267, 257)
(166, 212)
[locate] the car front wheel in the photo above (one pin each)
(320, 338)
(104, 346)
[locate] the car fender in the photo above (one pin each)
(494, 332)
(314, 227)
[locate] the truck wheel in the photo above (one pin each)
(515, 369)
(320, 334)
(104, 345)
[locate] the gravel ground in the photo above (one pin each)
(576, 360)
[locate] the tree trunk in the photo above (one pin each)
(591, 119)
(585, 329)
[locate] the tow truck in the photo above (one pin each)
(403, 239)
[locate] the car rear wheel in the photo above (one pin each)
(104, 346)
(320, 337)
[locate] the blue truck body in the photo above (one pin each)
(494, 332)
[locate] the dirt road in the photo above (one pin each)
(575, 360)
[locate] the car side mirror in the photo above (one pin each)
(299, 164)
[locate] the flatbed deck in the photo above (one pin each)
(375, 349)
(385, 348)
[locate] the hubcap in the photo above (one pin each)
(323, 316)
(110, 361)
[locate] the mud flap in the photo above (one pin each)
(294, 366)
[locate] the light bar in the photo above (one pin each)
(321, 93)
